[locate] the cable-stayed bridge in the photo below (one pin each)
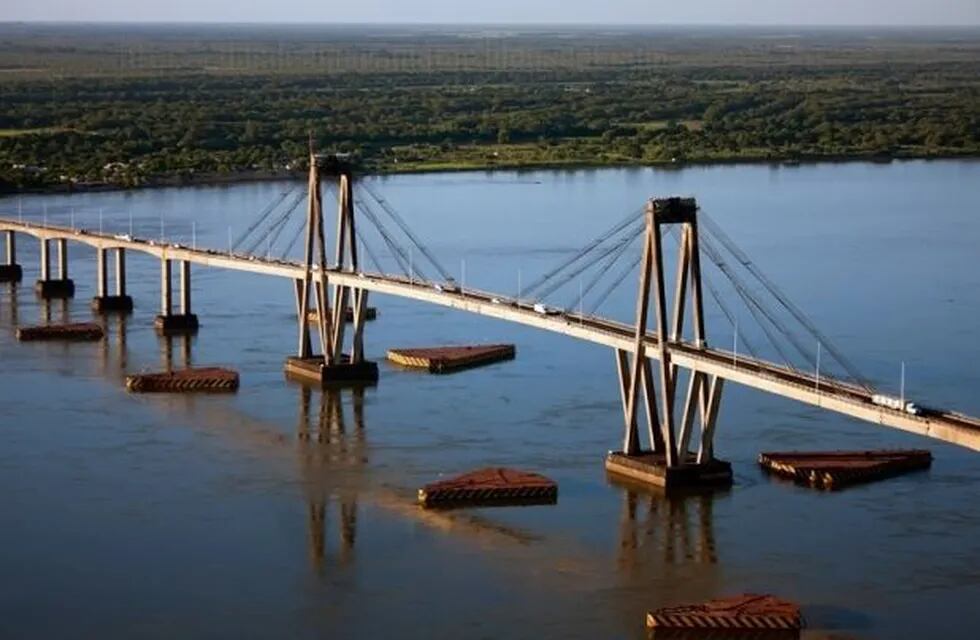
(663, 349)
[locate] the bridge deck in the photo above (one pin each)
(831, 395)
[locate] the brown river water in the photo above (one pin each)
(284, 512)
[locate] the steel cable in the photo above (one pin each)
(569, 276)
(371, 255)
(624, 246)
(265, 213)
(616, 281)
(387, 208)
(617, 228)
(759, 311)
(299, 232)
(275, 229)
(404, 262)
(717, 232)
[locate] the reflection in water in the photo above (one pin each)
(656, 529)
(52, 308)
(114, 325)
(128, 469)
(167, 350)
(667, 550)
(12, 288)
(326, 450)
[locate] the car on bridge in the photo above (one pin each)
(898, 404)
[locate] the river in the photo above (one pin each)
(270, 513)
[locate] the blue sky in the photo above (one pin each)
(859, 12)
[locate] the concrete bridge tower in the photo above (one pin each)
(333, 366)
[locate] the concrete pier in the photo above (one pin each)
(312, 370)
(169, 323)
(105, 302)
(62, 286)
(652, 469)
(10, 271)
(338, 365)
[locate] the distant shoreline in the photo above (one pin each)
(468, 27)
(242, 177)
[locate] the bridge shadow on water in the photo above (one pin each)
(656, 530)
(321, 440)
(49, 311)
(54, 311)
(9, 294)
(328, 444)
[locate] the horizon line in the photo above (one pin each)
(529, 24)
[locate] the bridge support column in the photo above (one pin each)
(169, 323)
(104, 302)
(668, 462)
(45, 259)
(10, 271)
(334, 367)
(62, 286)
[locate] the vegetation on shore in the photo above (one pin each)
(103, 105)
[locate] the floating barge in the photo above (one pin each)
(76, 332)
(651, 469)
(449, 359)
(837, 469)
(200, 380)
(743, 616)
(494, 486)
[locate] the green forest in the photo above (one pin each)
(88, 106)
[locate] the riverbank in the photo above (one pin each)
(698, 98)
(421, 168)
